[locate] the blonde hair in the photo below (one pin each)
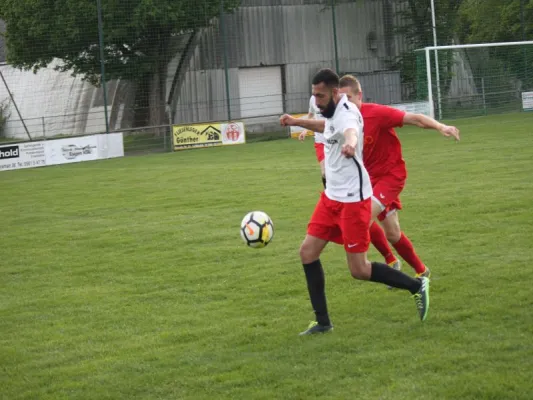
(351, 82)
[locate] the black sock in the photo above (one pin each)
(382, 273)
(314, 274)
(324, 181)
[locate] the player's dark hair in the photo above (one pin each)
(326, 76)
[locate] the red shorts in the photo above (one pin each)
(386, 190)
(319, 150)
(342, 223)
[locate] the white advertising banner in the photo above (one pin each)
(22, 155)
(110, 146)
(527, 101)
(61, 151)
(419, 107)
(233, 133)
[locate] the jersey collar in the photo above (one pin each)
(344, 99)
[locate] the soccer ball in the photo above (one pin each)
(257, 229)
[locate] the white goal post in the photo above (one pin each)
(429, 66)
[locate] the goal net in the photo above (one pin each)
(476, 79)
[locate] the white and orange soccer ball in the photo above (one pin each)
(257, 229)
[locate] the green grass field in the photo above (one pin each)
(127, 278)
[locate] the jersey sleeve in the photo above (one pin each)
(311, 106)
(390, 117)
(351, 120)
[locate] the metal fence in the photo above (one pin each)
(140, 67)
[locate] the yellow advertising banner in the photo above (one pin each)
(207, 135)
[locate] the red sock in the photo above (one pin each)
(405, 249)
(379, 240)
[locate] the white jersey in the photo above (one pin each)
(313, 109)
(347, 178)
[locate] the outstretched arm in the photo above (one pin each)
(302, 135)
(312, 125)
(423, 121)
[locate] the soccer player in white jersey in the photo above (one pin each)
(344, 210)
(314, 113)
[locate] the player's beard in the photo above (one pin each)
(329, 110)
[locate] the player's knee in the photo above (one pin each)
(357, 274)
(360, 270)
(308, 254)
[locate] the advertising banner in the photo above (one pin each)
(71, 150)
(61, 151)
(22, 155)
(296, 130)
(233, 133)
(418, 107)
(527, 101)
(207, 135)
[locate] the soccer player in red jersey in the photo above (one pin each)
(385, 164)
(344, 210)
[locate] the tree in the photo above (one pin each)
(137, 39)
(417, 30)
(491, 21)
(486, 21)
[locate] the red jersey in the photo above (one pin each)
(382, 151)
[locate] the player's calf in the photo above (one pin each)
(380, 242)
(393, 235)
(391, 226)
(314, 275)
(406, 250)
